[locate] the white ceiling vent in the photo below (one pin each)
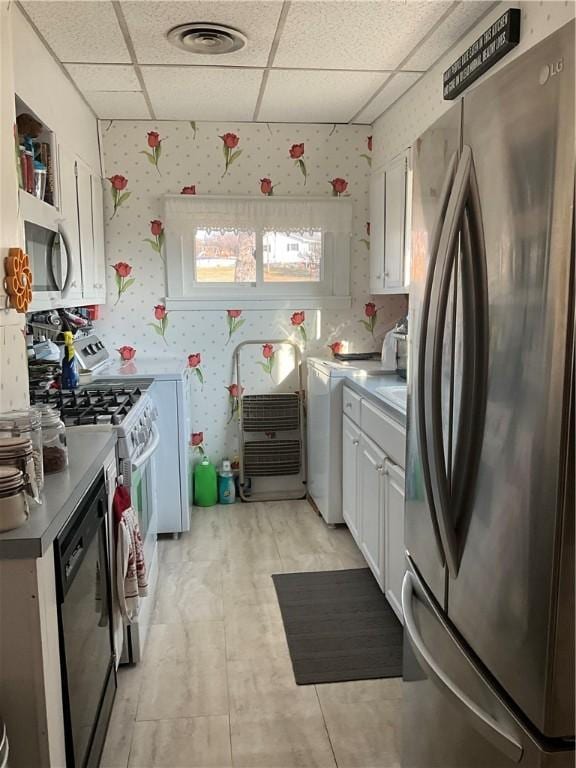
(207, 39)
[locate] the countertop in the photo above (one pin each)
(87, 451)
(367, 384)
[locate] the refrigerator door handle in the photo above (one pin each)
(483, 722)
(447, 250)
(472, 411)
(421, 378)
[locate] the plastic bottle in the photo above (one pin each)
(226, 485)
(205, 484)
(70, 377)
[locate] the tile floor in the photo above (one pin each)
(216, 688)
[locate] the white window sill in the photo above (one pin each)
(290, 302)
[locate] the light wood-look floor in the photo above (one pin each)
(216, 688)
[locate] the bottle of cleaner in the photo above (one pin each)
(70, 377)
(205, 484)
(226, 486)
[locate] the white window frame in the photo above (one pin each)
(332, 291)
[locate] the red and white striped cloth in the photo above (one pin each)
(131, 579)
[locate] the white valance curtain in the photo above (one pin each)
(185, 213)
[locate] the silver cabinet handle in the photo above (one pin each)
(484, 723)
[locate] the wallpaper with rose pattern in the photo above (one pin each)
(145, 160)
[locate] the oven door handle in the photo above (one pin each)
(151, 447)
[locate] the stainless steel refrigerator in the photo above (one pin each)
(488, 596)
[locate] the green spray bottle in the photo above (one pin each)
(205, 484)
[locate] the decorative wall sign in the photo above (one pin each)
(18, 279)
(498, 39)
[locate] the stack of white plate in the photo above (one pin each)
(13, 502)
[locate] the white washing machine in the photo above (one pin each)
(325, 382)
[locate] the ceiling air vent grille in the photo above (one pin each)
(206, 39)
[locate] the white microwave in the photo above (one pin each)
(49, 248)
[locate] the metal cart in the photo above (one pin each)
(271, 432)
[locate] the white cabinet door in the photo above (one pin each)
(377, 229)
(395, 223)
(350, 451)
(394, 559)
(69, 222)
(99, 261)
(371, 497)
(84, 183)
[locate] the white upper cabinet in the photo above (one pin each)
(69, 224)
(98, 228)
(91, 219)
(390, 209)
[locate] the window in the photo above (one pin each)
(257, 250)
(224, 257)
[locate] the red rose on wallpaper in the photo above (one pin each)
(370, 309)
(297, 320)
(122, 270)
(119, 183)
(161, 314)
(190, 190)
(197, 442)
(234, 322)
(339, 186)
(336, 347)
(229, 142)
(153, 139)
(126, 352)
(266, 187)
(157, 231)
(369, 144)
(372, 314)
(269, 356)
(233, 390)
(155, 143)
(296, 152)
(194, 361)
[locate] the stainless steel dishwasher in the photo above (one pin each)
(85, 625)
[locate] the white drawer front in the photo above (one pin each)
(386, 432)
(351, 404)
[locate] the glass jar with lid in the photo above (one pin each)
(26, 424)
(54, 448)
(13, 504)
(17, 452)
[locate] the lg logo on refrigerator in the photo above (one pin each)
(550, 70)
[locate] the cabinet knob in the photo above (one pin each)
(355, 442)
(386, 274)
(378, 277)
(380, 468)
(348, 405)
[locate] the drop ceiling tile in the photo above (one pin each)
(312, 96)
(394, 88)
(104, 77)
(448, 33)
(118, 105)
(202, 93)
(358, 34)
(79, 31)
(148, 23)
